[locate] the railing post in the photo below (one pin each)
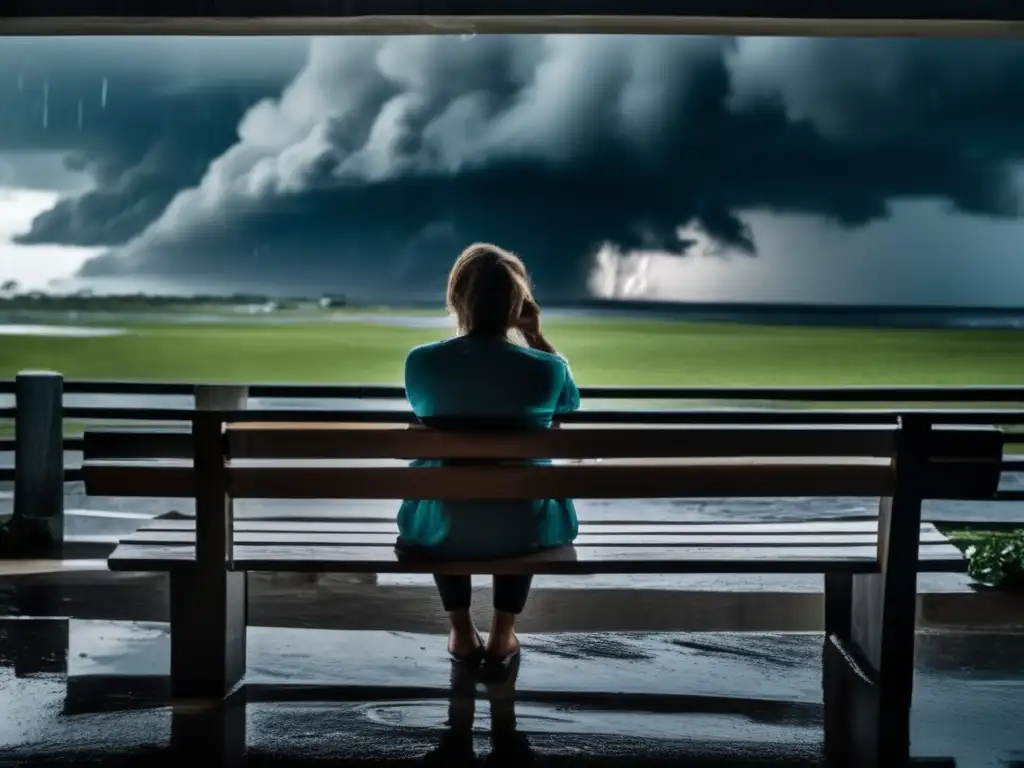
(209, 603)
(36, 529)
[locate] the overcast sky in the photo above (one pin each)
(860, 171)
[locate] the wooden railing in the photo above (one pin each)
(40, 411)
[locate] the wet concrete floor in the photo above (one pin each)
(78, 692)
(84, 660)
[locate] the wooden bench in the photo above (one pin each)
(870, 571)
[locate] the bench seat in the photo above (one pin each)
(844, 546)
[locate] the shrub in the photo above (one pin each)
(997, 560)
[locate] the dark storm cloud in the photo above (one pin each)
(141, 119)
(386, 155)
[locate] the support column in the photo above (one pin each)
(209, 603)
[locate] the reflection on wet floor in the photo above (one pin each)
(77, 691)
(95, 687)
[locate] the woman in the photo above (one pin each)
(482, 377)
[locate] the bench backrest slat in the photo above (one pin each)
(340, 441)
(605, 480)
(693, 461)
(371, 441)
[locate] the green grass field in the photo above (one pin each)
(602, 352)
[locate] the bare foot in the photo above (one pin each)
(463, 643)
(501, 644)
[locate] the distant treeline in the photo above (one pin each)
(142, 301)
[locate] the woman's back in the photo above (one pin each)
(467, 377)
(480, 381)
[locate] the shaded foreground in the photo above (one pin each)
(390, 699)
(96, 692)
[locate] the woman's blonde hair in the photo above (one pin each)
(487, 289)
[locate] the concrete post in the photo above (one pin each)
(36, 528)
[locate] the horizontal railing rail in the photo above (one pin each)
(852, 394)
(999, 417)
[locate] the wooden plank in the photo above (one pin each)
(390, 525)
(144, 443)
(583, 540)
(163, 443)
(961, 463)
(570, 560)
(342, 441)
(622, 478)
(605, 480)
(167, 478)
(638, 416)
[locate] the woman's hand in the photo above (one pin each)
(529, 326)
(529, 320)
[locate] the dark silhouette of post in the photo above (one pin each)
(209, 602)
(36, 529)
(870, 622)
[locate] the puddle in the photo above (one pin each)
(66, 331)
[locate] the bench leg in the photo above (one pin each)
(871, 620)
(212, 731)
(208, 622)
(37, 646)
(867, 703)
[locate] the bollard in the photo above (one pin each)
(36, 528)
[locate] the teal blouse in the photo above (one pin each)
(479, 379)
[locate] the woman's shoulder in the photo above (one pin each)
(429, 350)
(547, 358)
(456, 351)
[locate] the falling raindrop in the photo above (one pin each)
(81, 114)
(21, 83)
(46, 104)
(103, 94)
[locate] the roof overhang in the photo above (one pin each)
(844, 18)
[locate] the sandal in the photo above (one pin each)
(500, 668)
(473, 657)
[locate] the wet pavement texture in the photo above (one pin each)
(76, 692)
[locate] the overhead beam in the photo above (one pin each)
(867, 18)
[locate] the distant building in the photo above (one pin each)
(326, 302)
(262, 309)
